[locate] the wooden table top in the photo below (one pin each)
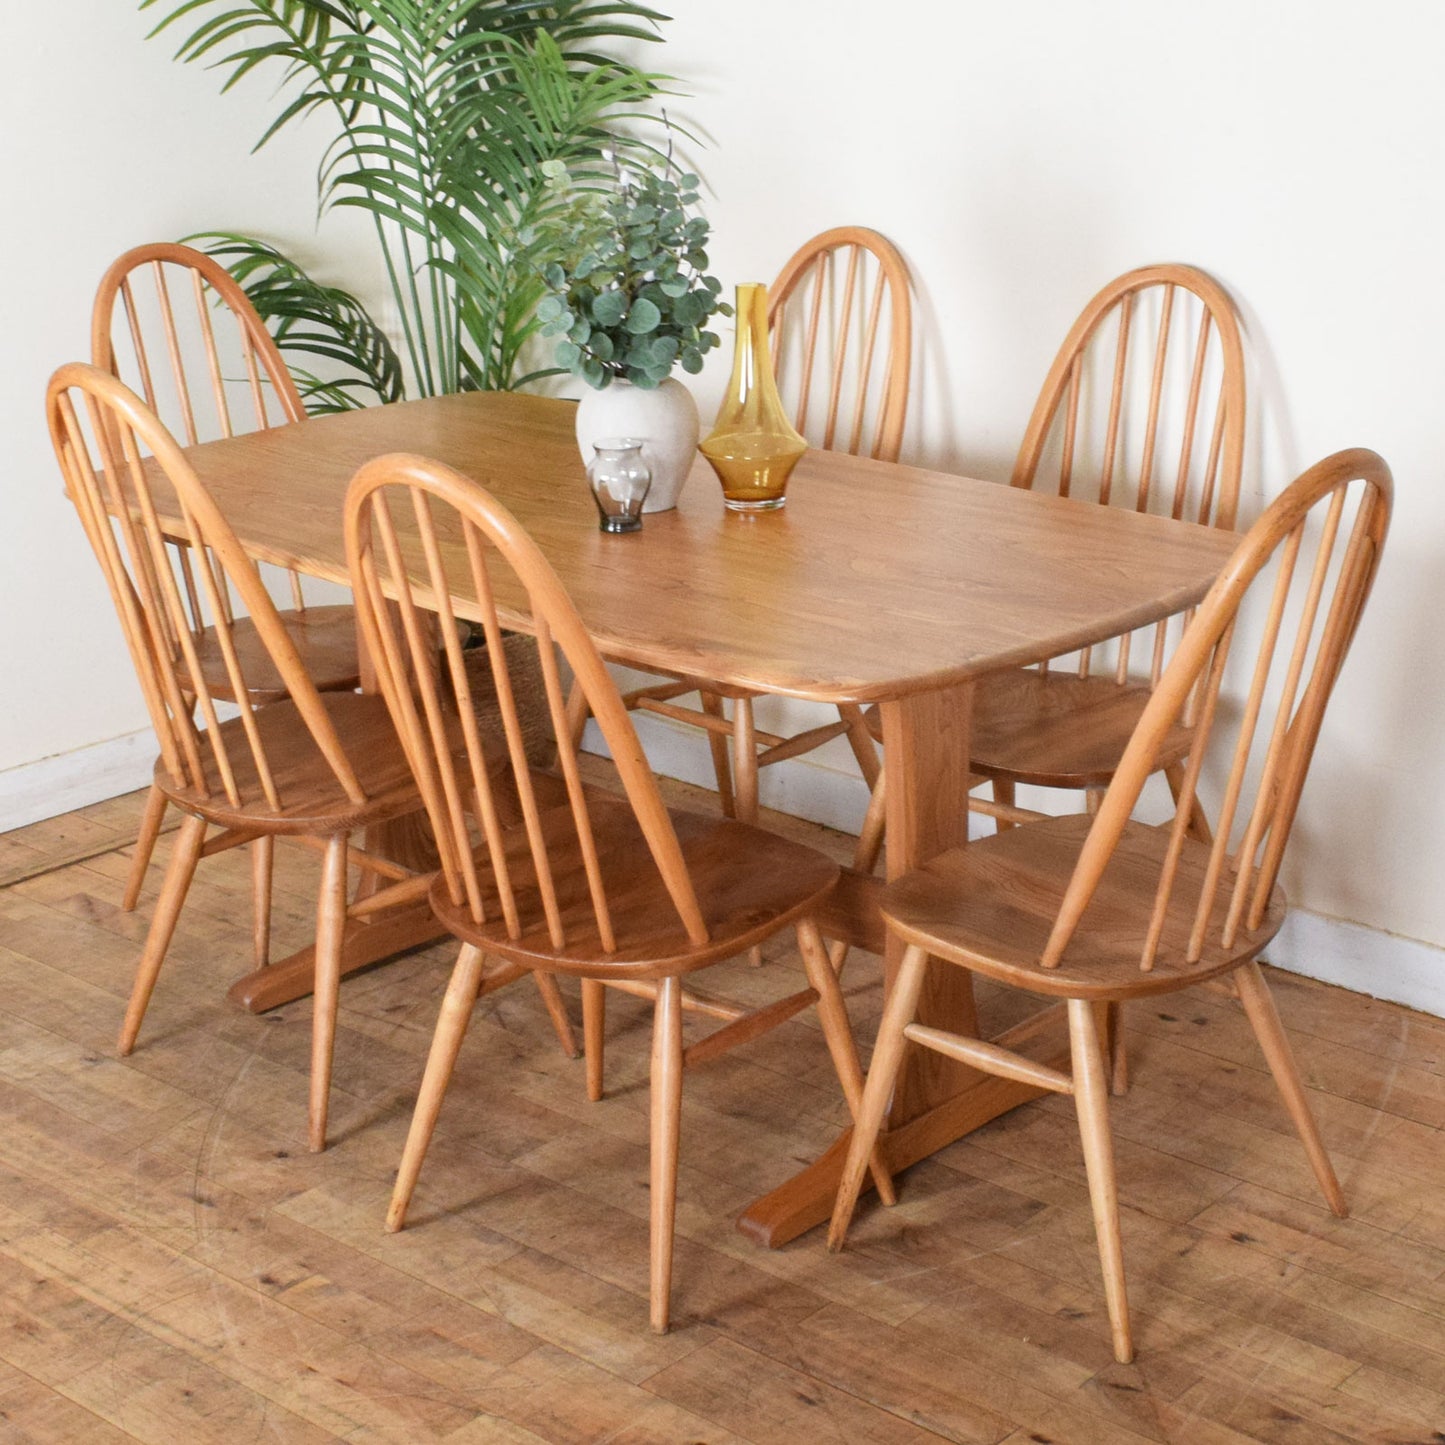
(875, 581)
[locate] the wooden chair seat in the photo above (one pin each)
(614, 889)
(315, 765)
(994, 903)
(1142, 408)
(174, 324)
(1059, 730)
(325, 637)
(749, 884)
(1094, 910)
(314, 802)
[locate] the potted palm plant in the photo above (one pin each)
(628, 300)
(449, 119)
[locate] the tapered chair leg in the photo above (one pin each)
(861, 741)
(666, 1125)
(870, 835)
(185, 854)
(745, 761)
(576, 714)
(721, 763)
(330, 930)
(263, 859)
(557, 1012)
(456, 1014)
(1259, 1007)
(882, 1073)
(838, 1034)
(145, 845)
(865, 855)
(594, 1034)
(1118, 1051)
(745, 777)
(1003, 793)
(1091, 1101)
(1198, 823)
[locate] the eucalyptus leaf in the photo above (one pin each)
(628, 262)
(643, 317)
(609, 308)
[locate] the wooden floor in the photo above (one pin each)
(174, 1267)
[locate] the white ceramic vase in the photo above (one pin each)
(663, 419)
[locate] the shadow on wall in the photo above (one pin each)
(1037, 253)
(1271, 445)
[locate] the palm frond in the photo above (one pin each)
(446, 112)
(312, 320)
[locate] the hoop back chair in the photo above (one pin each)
(840, 322)
(315, 765)
(840, 328)
(1144, 408)
(1097, 910)
(172, 322)
(613, 889)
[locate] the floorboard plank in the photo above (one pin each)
(176, 1267)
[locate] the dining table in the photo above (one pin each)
(876, 583)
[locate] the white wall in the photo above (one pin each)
(1019, 154)
(106, 143)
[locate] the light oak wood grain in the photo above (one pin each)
(975, 576)
(174, 325)
(538, 870)
(316, 764)
(134, 1192)
(981, 575)
(1098, 908)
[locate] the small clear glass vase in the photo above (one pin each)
(619, 479)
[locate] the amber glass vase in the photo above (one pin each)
(753, 447)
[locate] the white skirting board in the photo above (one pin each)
(1368, 960)
(31, 792)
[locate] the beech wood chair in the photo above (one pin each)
(1095, 910)
(840, 323)
(1144, 407)
(614, 889)
(314, 766)
(170, 321)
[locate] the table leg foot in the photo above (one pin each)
(806, 1199)
(367, 941)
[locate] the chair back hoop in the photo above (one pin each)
(173, 324)
(424, 544)
(845, 389)
(101, 446)
(1321, 539)
(1144, 407)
